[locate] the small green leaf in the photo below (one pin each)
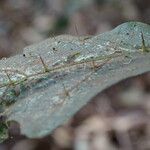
(3, 132)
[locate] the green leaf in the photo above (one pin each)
(3, 132)
(53, 79)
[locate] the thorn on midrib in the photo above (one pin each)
(11, 82)
(44, 65)
(94, 65)
(144, 48)
(66, 92)
(76, 30)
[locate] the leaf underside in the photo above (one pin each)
(52, 80)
